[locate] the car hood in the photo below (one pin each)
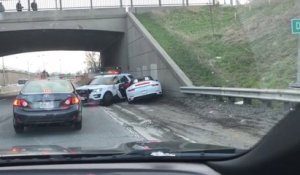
(91, 87)
(126, 148)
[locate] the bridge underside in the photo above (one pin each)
(108, 43)
(120, 37)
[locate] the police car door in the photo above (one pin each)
(121, 88)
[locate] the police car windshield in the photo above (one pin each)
(103, 81)
(22, 81)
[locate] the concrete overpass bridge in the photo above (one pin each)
(117, 34)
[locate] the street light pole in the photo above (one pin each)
(60, 65)
(3, 71)
(28, 70)
(42, 56)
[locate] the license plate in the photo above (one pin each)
(82, 98)
(47, 105)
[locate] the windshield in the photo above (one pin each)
(125, 75)
(103, 81)
(48, 86)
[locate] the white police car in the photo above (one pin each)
(103, 89)
(143, 88)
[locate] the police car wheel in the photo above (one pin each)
(129, 101)
(107, 99)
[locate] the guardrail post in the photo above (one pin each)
(131, 3)
(60, 4)
(28, 5)
(231, 99)
(219, 98)
(247, 101)
(268, 103)
(91, 3)
(205, 96)
(121, 3)
(287, 105)
(159, 3)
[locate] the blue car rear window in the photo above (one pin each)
(46, 86)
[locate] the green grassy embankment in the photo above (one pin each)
(215, 47)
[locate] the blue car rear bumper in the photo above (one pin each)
(47, 117)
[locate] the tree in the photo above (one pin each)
(93, 61)
(78, 73)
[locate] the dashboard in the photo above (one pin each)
(111, 169)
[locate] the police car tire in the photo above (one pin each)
(107, 99)
(129, 101)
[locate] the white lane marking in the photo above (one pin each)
(128, 112)
(134, 129)
(143, 120)
(185, 138)
(2, 99)
(144, 108)
(147, 121)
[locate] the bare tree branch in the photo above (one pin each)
(93, 61)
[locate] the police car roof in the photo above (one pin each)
(111, 75)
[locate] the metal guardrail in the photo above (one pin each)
(262, 94)
(10, 5)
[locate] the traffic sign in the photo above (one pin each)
(295, 23)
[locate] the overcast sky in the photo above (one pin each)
(52, 61)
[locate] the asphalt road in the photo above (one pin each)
(99, 130)
(193, 120)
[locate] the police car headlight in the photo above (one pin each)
(97, 90)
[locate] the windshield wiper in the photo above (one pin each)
(151, 154)
(195, 154)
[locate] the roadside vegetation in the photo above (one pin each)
(244, 46)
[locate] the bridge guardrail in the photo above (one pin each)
(285, 95)
(10, 5)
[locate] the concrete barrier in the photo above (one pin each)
(9, 90)
(147, 57)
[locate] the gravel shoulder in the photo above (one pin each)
(201, 120)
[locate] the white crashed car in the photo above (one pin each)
(103, 89)
(143, 88)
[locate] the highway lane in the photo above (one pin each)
(5, 108)
(99, 130)
(161, 119)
